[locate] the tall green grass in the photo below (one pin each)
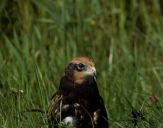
(123, 37)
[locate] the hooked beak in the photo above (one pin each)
(95, 75)
(91, 71)
(94, 72)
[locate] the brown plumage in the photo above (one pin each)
(77, 101)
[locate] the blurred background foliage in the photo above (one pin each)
(123, 37)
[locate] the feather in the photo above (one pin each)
(78, 104)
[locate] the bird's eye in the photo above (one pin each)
(80, 66)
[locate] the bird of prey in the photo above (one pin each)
(77, 102)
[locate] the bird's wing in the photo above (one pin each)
(53, 109)
(100, 118)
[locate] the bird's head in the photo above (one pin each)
(80, 69)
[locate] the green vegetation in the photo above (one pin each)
(124, 38)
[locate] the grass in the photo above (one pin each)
(124, 38)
